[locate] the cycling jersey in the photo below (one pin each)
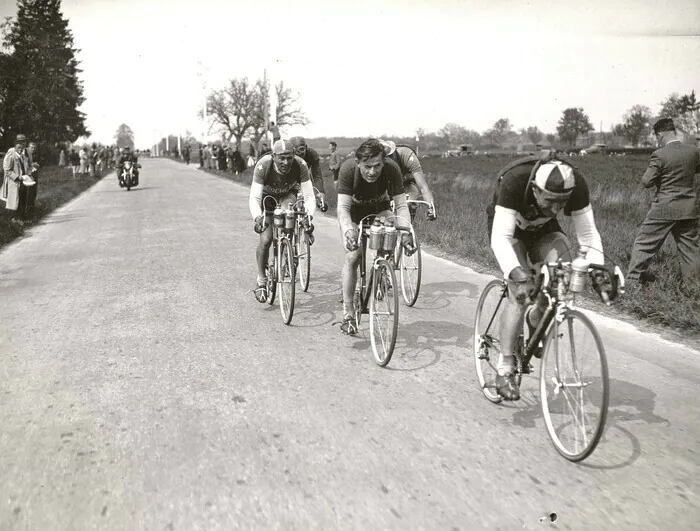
(277, 184)
(408, 162)
(365, 194)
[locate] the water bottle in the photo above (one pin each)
(390, 234)
(278, 217)
(289, 218)
(579, 272)
(376, 234)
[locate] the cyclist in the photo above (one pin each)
(313, 161)
(127, 155)
(366, 184)
(279, 174)
(522, 220)
(414, 180)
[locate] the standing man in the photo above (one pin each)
(674, 209)
(334, 162)
(33, 168)
(15, 167)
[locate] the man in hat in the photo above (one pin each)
(523, 229)
(674, 209)
(279, 176)
(16, 174)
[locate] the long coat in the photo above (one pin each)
(14, 166)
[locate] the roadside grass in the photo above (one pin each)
(56, 187)
(463, 188)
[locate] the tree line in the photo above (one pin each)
(40, 88)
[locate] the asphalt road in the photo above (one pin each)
(142, 387)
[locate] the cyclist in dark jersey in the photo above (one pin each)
(279, 174)
(313, 161)
(522, 223)
(414, 180)
(366, 185)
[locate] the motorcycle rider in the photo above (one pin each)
(128, 155)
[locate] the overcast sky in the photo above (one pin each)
(372, 67)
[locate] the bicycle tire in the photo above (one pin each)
(286, 280)
(304, 257)
(553, 339)
(272, 273)
(486, 343)
(383, 293)
(410, 291)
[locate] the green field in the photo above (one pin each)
(463, 188)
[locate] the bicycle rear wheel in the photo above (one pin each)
(304, 256)
(383, 312)
(286, 280)
(574, 386)
(487, 337)
(411, 272)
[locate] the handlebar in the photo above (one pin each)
(431, 206)
(615, 278)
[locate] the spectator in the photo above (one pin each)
(74, 159)
(186, 154)
(33, 168)
(334, 162)
(201, 157)
(15, 167)
(674, 209)
(221, 157)
(82, 171)
(62, 158)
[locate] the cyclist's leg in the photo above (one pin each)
(263, 250)
(548, 248)
(413, 193)
(349, 281)
(512, 318)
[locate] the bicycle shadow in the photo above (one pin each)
(439, 295)
(628, 403)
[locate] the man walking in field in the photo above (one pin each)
(674, 209)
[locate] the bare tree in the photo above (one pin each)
(234, 109)
(288, 110)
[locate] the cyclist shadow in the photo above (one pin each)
(421, 344)
(319, 305)
(439, 295)
(628, 403)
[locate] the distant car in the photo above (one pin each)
(597, 148)
(463, 151)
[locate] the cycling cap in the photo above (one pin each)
(555, 177)
(297, 141)
(282, 146)
(389, 146)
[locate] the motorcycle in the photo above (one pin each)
(127, 179)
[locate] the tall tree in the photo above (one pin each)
(534, 134)
(43, 101)
(685, 111)
(636, 124)
(288, 110)
(573, 122)
(124, 137)
(455, 134)
(551, 138)
(233, 109)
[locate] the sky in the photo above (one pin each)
(382, 67)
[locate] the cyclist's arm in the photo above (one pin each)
(307, 189)
(422, 183)
(588, 235)
(344, 218)
(502, 239)
(255, 200)
(402, 214)
(413, 166)
(315, 168)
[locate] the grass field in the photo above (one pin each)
(56, 187)
(463, 188)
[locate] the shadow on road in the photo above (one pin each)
(628, 403)
(438, 295)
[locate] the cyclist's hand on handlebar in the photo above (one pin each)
(407, 243)
(525, 285)
(602, 285)
(351, 239)
(260, 224)
(432, 213)
(321, 202)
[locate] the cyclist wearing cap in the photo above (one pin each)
(366, 185)
(523, 225)
(312, 160)
(279, 174)
(414, 180)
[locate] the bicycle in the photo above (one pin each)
(549, 343)
(281, 265)
(411, 267)
(378, 292)
(302, 245)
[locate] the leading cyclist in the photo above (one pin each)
(522, 225)
(366, 185)
(279, 174)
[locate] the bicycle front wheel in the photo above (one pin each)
(286, 280)
(574, 386)
(272, 274)
(487, 337)
(411, 272)
(304, 256)
(383, 312)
